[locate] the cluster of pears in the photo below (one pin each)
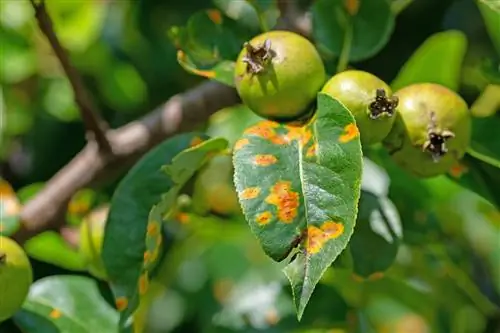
(16, 277)
(425, 127)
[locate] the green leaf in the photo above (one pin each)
(490, 10)
(208, 45)
(485, 145)
(133, 239)
(66, 304)
(50, 247)
(267, 11)
(438, 60)
(372, 23)
(10, 208)
(376, 240)
(300, 186)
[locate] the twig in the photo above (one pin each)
(93, 166)
(93, 123)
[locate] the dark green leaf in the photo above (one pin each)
(376, 240)
(72, 304)
(132, 241)
(485, 145)
(9, 209)
(372, 25)
(301, 185)
(438, 60)
(50, 247)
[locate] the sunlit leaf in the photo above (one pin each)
(10, 208)
(59, 100)
(490, 10)
(438, 60)
(18, 59)
(51, 248)
(372, 24)
(133, 240)
(299, 186)
(66, 304)
(222, 71)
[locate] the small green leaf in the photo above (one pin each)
(438, 60)
(372, 25)
(376, 240)
(50, 247)
(300, 186)
(10, 208)
(133, 235)
(222, 71)
(66, 304)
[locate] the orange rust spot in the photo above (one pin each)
(121, 303)
(317, 237)
(181, 56)
(311, 152)
(376, 276)
(143, 283)
(265, 160)
(241, 143)
(215, 16)
(78, 207)
(153, 229)
(250, 193)
(55, 314)
(272, 317)
(458, 170)
(264, 218)
(147, 256)
(285, 200)
(351, 131)
(357, 278)
(261, 129)
(195, 141)
(182, 217)
(352, 6)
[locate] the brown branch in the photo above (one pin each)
(93, 166)
(93, 123)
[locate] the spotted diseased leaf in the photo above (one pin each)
(299, 187)
(66, 304)
(133, 242)
(9, 209)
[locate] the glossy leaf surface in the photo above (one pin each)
(300, 186)
(66, 304)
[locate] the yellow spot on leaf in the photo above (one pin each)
(215, 16)
(458, 171)
(195, 141)
(250, 193)
(311, 152)
(143, 283)
(153, 229)
(121, 303)
(159, 240)
(352, 6)
(241, 143)
(182, 217)
(317, 237)
(265, 160)
(351, 131)
(55, 314)
(376, 276)
(264, 218)
(285, 200)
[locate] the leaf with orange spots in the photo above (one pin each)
(66, 304)
(134, 235)
(306, 198)
(208, 44)
(10, 208)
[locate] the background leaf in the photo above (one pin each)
(372, 26)
(490, 10)
(9, 209)
(280, 171)
(438, 60)
(67, 304)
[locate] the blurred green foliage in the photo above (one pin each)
(441, 274)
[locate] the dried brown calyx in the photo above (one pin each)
(257, 57)
(383, 104)
(436, 139)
